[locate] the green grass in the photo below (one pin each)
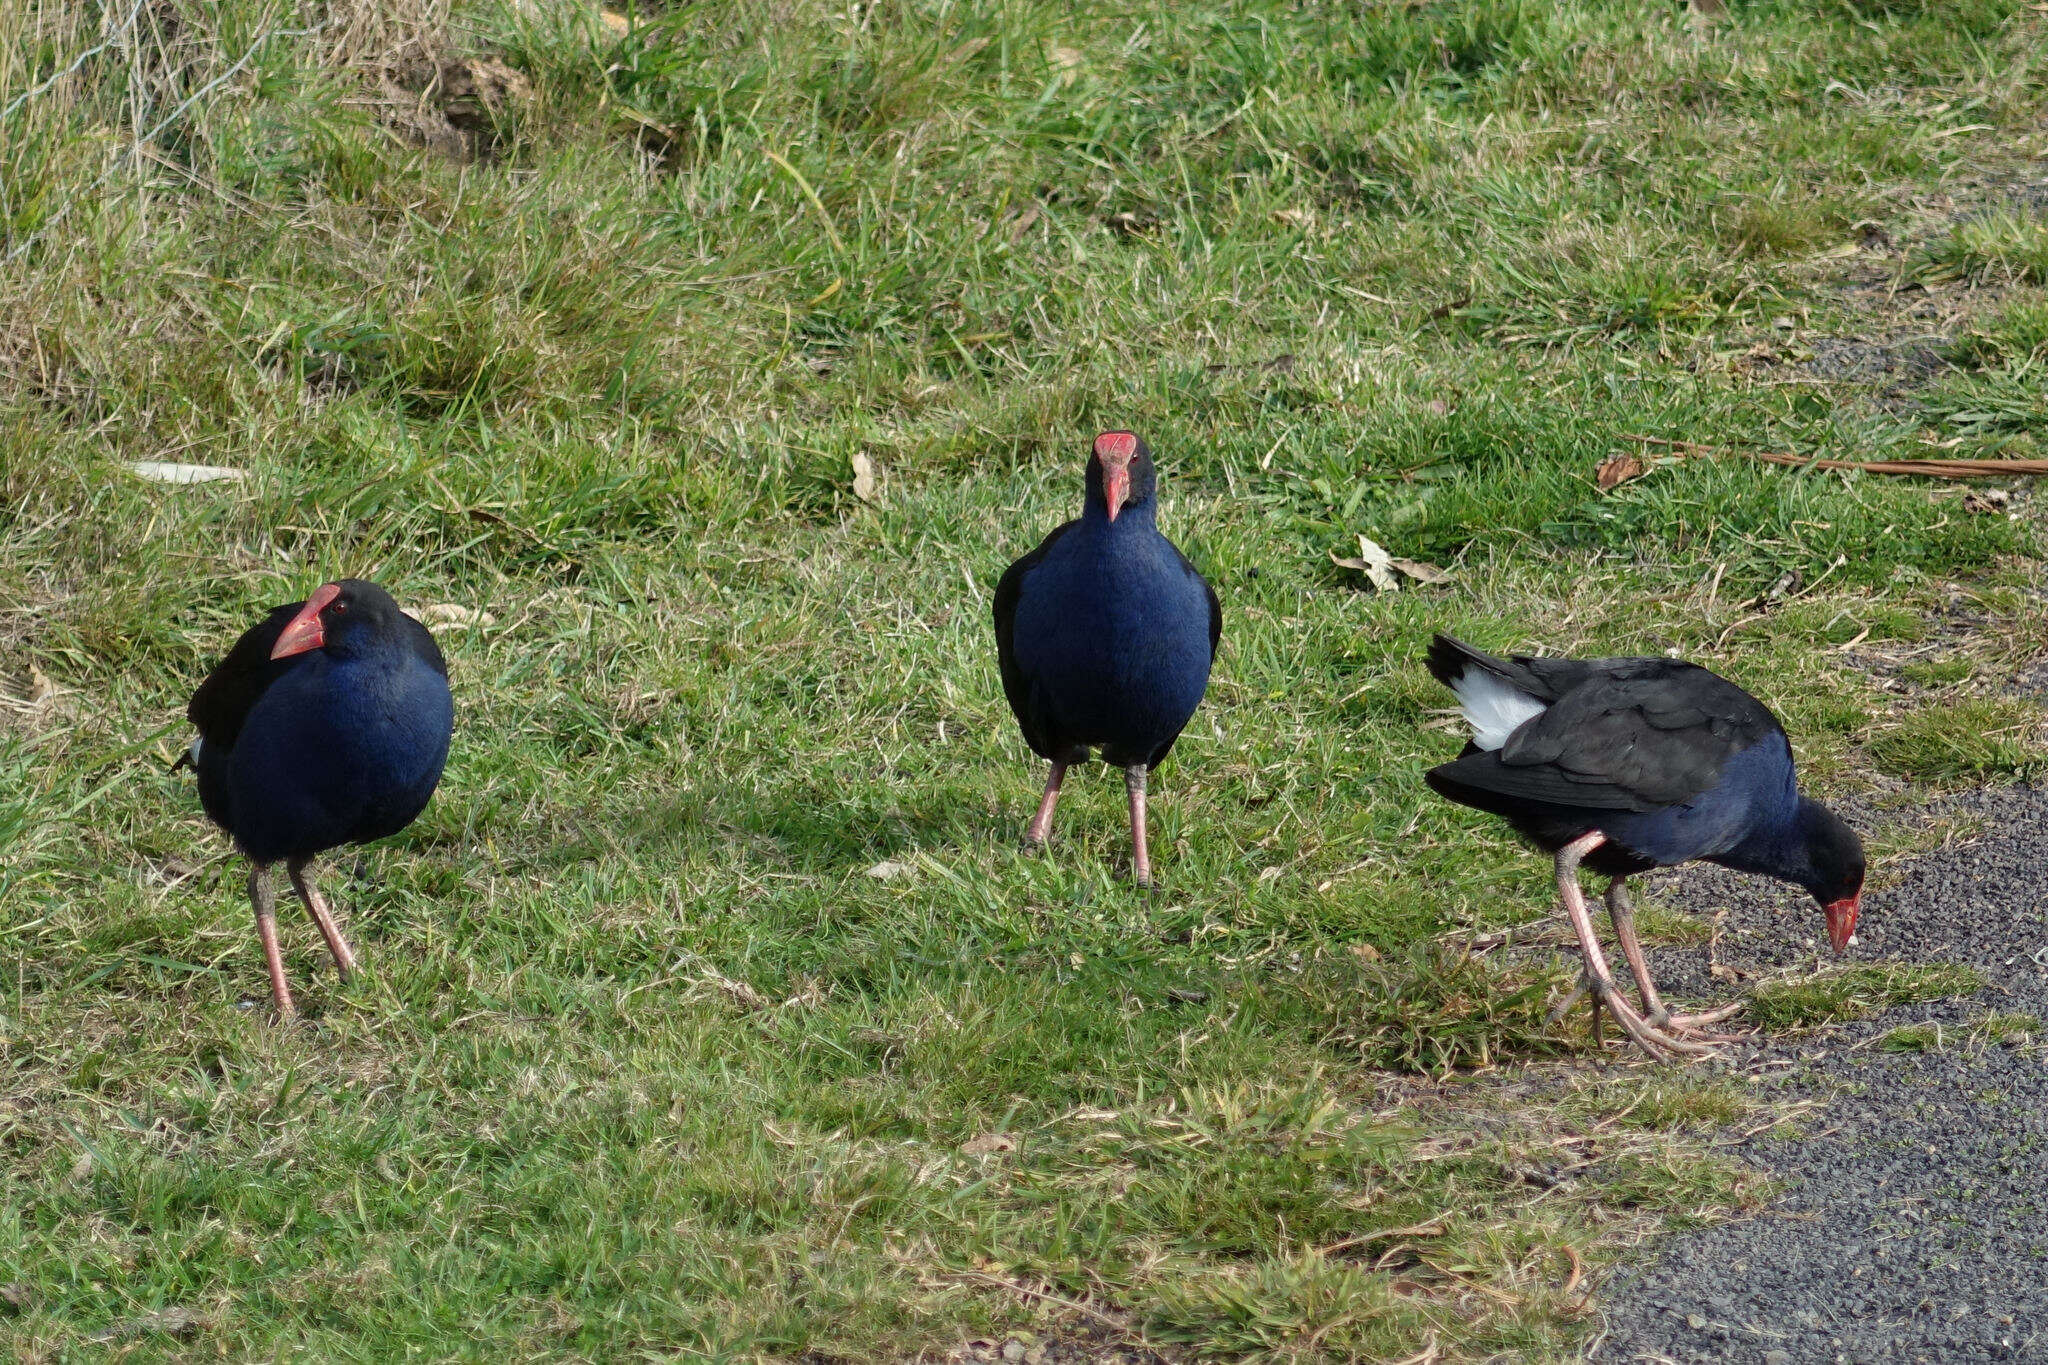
(1938, 672)
(1858, 992)
(2001, 246)
(2010, 1030)
(643, 1062)
(1970, 740)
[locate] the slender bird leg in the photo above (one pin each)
(1651, 1039)
(316, 906)
(1632, 948)
(1141, 858)
(1654, 1009)
(1041, 824)
(265, 901)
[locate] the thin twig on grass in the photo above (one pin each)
(1933, 469)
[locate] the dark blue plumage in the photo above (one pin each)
(327, 724)
(1105, 634)
(1630, 764)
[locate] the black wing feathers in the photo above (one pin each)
(1620, 734)
(223, 701)
(421, 641)
(1215, 606)
(1009, 588)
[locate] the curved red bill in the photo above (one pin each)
(1116, 488)
(1842, 921)
(303, 631)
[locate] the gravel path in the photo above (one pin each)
(1913, 1225)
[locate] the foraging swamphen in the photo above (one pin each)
(327, 724)
(1629, 764)
(1105, 634)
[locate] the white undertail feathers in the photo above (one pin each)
(1493, 707)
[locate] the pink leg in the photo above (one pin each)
(1141, 857)
(1599, 979)
(1654, 1011)
(266, 929)
(302, 882)
(1041, 824)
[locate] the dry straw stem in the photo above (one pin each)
(1932, 469)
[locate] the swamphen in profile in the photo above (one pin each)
(1105, 634)
(1629, 764)
(327, 724)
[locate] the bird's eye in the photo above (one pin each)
(340, 606)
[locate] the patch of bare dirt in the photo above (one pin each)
(1875, 323)
(1085, 1347)
(461, 107)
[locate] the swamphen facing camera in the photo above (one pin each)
(1629, 764)
(327, 724)
(1105, 634)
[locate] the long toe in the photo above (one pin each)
(1660, 1042)
(1682, 1025)
(1704, 1017)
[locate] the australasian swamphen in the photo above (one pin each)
(1629, 764)
(1105, 634)
(327, 724)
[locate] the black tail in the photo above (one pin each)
(1449, 657)
(184, 761)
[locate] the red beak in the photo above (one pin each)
(303, 631)
(1842, 921)
(1116, 486)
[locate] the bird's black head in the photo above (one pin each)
(1120, 475)
(344, 618)
(1835, 855)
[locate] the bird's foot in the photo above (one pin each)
(1713, 1016)
(1031, 843)
(1663, 1042)
(1697, 1025)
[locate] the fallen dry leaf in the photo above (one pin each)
(1374, 562)
(171, 471)
(453, 614)
(1296, 218)
(175, 1322)
(617, 23)
(1380, 568)
(1419, 571)
(864, 483)
(1984, 501)
(889, 871)
(1066, 58)
(988, 1144)
(1616, 470)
